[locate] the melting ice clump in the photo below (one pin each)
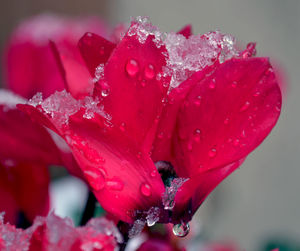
(169, 195)
(61, 105)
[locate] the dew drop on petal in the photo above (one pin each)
(212, 84)
(226, 121)
(236, 142)
(197, 101)
(115, 184)
(104, 92)
(212, 153)
(245, 106)
(149, 71)
(181, 230)
(196, 135)
(145, 189)
(96, 179)
(234, 84)
(122, 127)
(153, 173)
(132, 67)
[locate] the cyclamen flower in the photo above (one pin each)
(27, 148)
(29, 64)
(55, 233)
(170, 117)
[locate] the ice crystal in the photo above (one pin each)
(152, 216)
(170, 193)
(137, 228)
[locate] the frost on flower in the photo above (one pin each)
(137, 228)
(170, 193)
(55, 233)
(99, 73)
(142, 27)
(61, 105)
(188, 55)
(152, 216)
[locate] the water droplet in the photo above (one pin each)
(115, 184)
(181, 230)
(234, 84)
(132, 67)
(245, 106)
(143, 83)
(101, 50)
(226, 121)
(236, 142)
(160, 135)
(149, 71)
(122, 127)
(212, 153)
(145, 189)
(256, 94)
(196, 135)
(153, 173)
(104, 92)
(197, 101)
(95, 178)
(212, 84)
(278, 108)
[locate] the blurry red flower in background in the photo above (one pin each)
(27, 148)
(170, 117)
(29, 64)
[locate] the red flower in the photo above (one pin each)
(55, 233)
(194, 106)
(30, 66)
(27, 148)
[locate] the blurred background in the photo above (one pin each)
(260, 202)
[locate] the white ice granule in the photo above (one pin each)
(61, 105)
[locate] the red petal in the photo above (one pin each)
(28, 187)
(226, 116)
(73, 72)
(31, 69)
(162, 146)
(17, 131)
(122, 178)
(186, 31)
(95, 50)
(135, 94)
(30, 65)
(194, 191)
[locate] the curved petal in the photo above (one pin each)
(76, 77)
(30, 69)
(21, 139)
(226, 116)
(135, 85)
(123, 179)
(162, 145)
(95, 50)
(194, 191)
